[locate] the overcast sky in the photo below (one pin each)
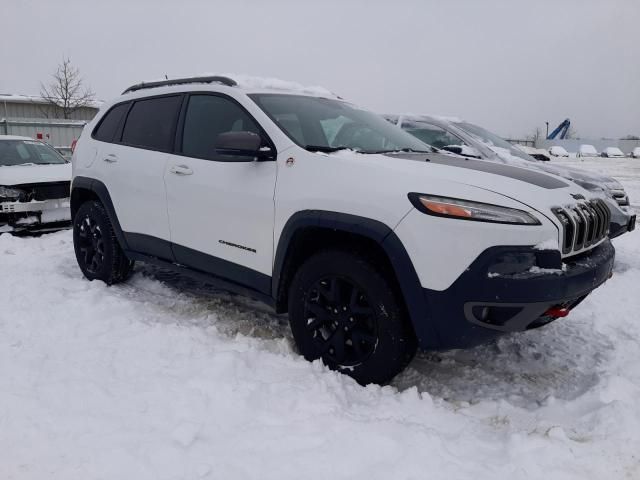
(509, 65)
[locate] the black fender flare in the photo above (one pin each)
(380, 233)
(101, 191)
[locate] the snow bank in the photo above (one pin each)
(164, 378)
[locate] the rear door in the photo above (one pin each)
(133, 170)
(221, 206)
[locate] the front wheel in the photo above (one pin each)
(97, 249)
(344, 311)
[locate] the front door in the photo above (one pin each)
(221, 207)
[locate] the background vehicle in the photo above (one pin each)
(558, 151)
(587, 151)
(327, 212)
(34, 186)
(537, 153)
(635, 153)
(65, 152)
(465, 138)
(613, 152)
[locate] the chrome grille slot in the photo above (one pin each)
(584, 224)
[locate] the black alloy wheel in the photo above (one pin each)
(345, 311)
(98, 252)
(91, 244)
(341, 320)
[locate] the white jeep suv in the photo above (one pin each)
(372, 242)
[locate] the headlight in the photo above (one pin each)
(7, 193)
(468, 210)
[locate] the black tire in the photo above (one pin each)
(97, 249)
(344, 311)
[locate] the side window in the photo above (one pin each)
(207, 117)
(150, 123)
(110, 123)
(431, 134)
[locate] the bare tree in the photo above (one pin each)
(67, 92)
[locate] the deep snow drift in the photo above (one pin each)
(163, 378)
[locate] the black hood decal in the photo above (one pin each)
(533, 177)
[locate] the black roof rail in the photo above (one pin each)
(182, 81)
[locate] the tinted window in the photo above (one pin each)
(150, 123)
(110, 123)
(207, 117)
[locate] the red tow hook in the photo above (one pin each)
(557, 312)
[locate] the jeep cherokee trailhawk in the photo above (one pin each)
(372, 242)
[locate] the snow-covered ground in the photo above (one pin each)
(163, 378)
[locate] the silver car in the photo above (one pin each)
(464, 138)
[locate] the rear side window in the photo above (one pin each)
(207, 117)
(109, 125)
(150, 123)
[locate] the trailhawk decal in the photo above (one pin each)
(241, 247)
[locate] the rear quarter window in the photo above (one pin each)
(109, 124)
(151, 123)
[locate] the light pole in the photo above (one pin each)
(547, 130)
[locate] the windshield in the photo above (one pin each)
(322, 124)
(492, 140)
(21, 152)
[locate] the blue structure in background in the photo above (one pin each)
(561, 129)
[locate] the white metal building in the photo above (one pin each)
(34, 117)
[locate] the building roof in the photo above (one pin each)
(12, 98)
(14, 137)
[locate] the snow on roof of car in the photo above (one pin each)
(587, 148)
(613, 151)
(251, 83)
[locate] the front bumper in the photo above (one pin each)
(481, 305)
(35, 216)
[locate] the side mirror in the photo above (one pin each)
(245, 146)
(463, 150)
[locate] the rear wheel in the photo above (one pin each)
(344, 311)
(97, 250)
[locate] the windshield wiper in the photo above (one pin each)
(324, 149)
(405, 150)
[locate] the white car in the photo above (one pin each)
(587, 151)
(371, 241)
(537, 153)
(34, 186)
(558, 151)
(613, 152)
(635, 153)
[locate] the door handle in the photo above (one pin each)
(111, 158)
(181, 170)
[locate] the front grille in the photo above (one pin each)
(585, 224)
(44, 191)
